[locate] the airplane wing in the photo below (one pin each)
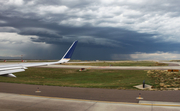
(7, 70)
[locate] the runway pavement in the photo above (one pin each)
(115, 67)
(17, 102)
(172, 65)
(97, 94)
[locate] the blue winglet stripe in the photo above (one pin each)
(71, 50)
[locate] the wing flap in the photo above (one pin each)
(11, 68)
(11, 71)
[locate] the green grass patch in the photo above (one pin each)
(92, 78)
(120, 63)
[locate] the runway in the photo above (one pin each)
(115, 67)
(172, 65)
(17, 102)
(96, 94)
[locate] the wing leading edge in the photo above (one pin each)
(7, 70)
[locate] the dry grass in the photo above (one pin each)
(164, 79)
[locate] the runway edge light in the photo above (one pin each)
(38, 91)
(139, 96)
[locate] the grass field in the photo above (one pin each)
(112, 79)
(120, 63)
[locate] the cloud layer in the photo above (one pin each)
(105, 29)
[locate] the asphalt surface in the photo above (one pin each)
(113, 95)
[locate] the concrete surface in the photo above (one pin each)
(16, 102)
(160, 103)
(115, 67)
(172, 65)
(141, 86)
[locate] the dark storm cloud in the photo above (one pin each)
(40, 32)
(71, 3)
(103, 28)
(52, 33)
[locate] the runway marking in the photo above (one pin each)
(70, 99)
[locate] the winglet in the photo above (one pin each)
(68, 54)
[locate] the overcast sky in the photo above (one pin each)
(105, 29)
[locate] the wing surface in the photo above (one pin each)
(7, 70)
